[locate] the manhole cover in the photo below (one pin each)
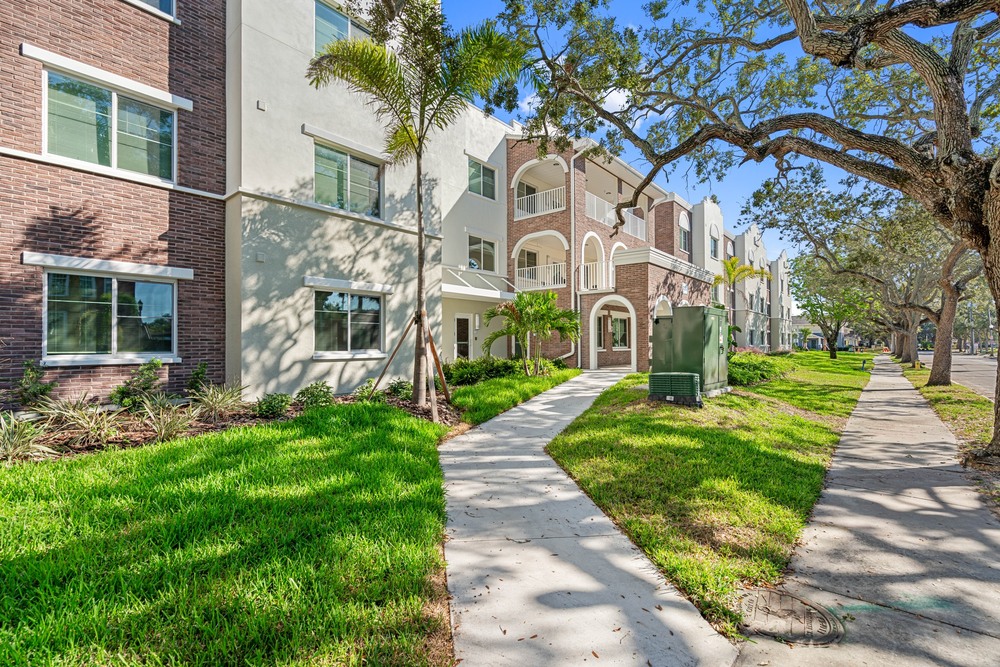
(789, 618)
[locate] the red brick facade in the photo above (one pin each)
(641, 284)
(52, 209)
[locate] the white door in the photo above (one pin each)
(463, 337)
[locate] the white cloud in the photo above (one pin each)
(529, 104)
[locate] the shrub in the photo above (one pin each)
(199, 378)
(364, 393)
(272, 406)
(559, 364)
(30, 390)
(749, 368)
(145, 381)
(218, 400)
(19, 440)
(465, 371)
(401, 388)
(167, 420)
(94, 425)
(317, 395)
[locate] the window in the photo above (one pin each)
(730, 249)
(99, 315)
(619, 333)
(714, 247)
(685, 225)
(525, 190)
(482, 254)
(79, 124)
(347, 322)
(482, 180)
(601, 324)
(165, 6)
(346, 182)
(333, 25)
(751, 337)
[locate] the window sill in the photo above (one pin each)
(620, 349)
(110, 172)
(348, 356)
(102, 360)
(154, 11)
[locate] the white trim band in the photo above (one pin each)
(62, 63)
(361, 355)
(105, 266)
(59, 360)
(350, 285)
(351, 147)
(662, 260)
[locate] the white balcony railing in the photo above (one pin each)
(546, 276)
(604, 212)
(596, 276)
(539, 203)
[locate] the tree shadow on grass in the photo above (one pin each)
(307, 540)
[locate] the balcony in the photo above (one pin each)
(597, 276)
(604, 212)
(540, 203)
(546, 276)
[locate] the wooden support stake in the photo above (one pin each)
(391, 357)
(431, 391)
(437, 364)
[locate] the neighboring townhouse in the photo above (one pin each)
(112, 151)
(780, 312)
(561, 209)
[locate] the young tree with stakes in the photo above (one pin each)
(418, 77)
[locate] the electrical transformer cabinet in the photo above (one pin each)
(693, 339)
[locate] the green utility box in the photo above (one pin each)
(693, 339)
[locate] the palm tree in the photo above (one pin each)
(533, 314)
(734, 273)
(423, 83)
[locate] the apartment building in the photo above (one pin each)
(760, 307)
(112, 153)
(175, 188)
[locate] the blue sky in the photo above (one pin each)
(733, 192)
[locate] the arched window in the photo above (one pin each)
(730, 249)
(685, 224)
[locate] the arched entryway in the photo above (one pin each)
(613, 338)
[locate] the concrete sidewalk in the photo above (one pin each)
(900, 545)
(538, 574)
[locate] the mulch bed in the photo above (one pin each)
(133, 431)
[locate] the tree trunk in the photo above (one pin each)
(420, 351)
(941, 366)
(991, 269)
(905, 350)
(914, 347)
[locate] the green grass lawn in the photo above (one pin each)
(716, 497)
(969, 416)
(313, 541)
(484, 401)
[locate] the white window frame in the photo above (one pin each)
(352, 22)
(361, 157)
(318, 284)
(496, 183)
(713, 247)
(156, 11)
(113, 169)
(469, 235)
(628, 333)
(600, 333)
(104, 269)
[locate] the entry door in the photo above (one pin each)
(463, 337)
